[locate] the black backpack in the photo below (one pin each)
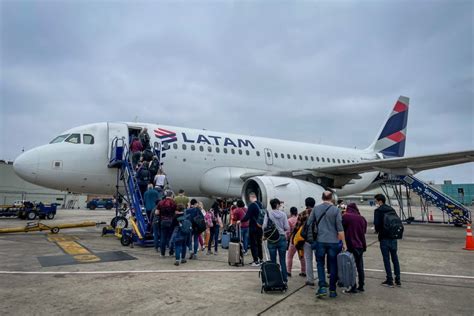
(199, 224)
(270, 233)
(393, 226)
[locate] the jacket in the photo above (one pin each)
(150, 197)
(379, 215)
(355, 227)
(136, 146)
(238, 214)
(280, 220)
(252, 215)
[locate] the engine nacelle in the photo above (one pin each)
(292, 191)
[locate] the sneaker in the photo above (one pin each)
(333, 294)
(246, 253)
(171, 253)
(176, 263)
(191, 256)
(215, 253)
(350, 291)
(288, 274)
(322, 292)
(209, 253)
(203, 248)
(398, 283)
(360, 289)
(309, 283)
(387, 283)
(255, 264)
(302, 274)
(183, 261)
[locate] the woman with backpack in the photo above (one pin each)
(213, 222)
(292, 250)
(182, 229)
(276, 240)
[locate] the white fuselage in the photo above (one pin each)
(203, 163)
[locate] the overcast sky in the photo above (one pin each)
(313, 71)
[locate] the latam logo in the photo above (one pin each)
(167, 136)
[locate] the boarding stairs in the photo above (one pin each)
(457, 213)
(141, 224)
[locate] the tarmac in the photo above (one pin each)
(437, 276)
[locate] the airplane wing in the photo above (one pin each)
(343, 173)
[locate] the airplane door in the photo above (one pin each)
(119, 130)
(268, 156)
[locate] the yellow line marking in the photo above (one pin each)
(71, 247)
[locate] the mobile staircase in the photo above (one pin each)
(456, 213)
(141, 226)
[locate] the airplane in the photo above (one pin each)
(214, 164)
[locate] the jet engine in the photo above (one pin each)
(292, 192)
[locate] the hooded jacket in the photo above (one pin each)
(280, 219)
(379, 215)
(355, 227)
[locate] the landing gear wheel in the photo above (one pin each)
(113, 222)
(50, 216)
(54, 230)
(121, 222)
(31, 216)
(125, 240)
(92, 207)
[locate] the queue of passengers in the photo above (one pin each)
(180, 223)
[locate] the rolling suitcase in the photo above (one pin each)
(272, 279)
(346, 269)
(225, 240)
(236, 254)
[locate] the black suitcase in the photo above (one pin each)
(272, 279)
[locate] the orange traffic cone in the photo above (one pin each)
(469, 239)
(430, 219)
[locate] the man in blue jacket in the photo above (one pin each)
(150, 198)
(191, 213)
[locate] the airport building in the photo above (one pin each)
(463, 193)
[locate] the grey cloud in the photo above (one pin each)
(310, 71)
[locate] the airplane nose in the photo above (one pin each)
(26, 166)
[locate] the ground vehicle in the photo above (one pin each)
(28, 210)
(108, 204)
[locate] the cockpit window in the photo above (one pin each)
(74, 138)
(59, 139)
(88, 139)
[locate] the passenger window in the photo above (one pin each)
(294, 157)
(218, 149)
(175, 146)
(193, 148)
(88, 139)
(232, 151)
(306, 158)
(282, 156)
(59, 139)
(317, 158)
(74, 138)
(201, 148)
(312, 158)
(258, 153)
(225, 150)
(301, 157)
(247, 153)
(343, 161)
(184, 146)
(338, 161)
(323, 159)
(240, 151)
(288, 156)
(209, 149)
(333, 160)
(276, 155)
(268, 154)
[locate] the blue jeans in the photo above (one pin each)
(245, 238)
(214, 231)
(193, 241)
(180, 249)
(330, 250)
(279, 247)
(165, 235)
(389, 248)
(156, 235)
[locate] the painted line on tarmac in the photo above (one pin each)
(211, 271)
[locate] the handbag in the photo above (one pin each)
(310, 233)
(270, 233)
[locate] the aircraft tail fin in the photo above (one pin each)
(392, 138)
